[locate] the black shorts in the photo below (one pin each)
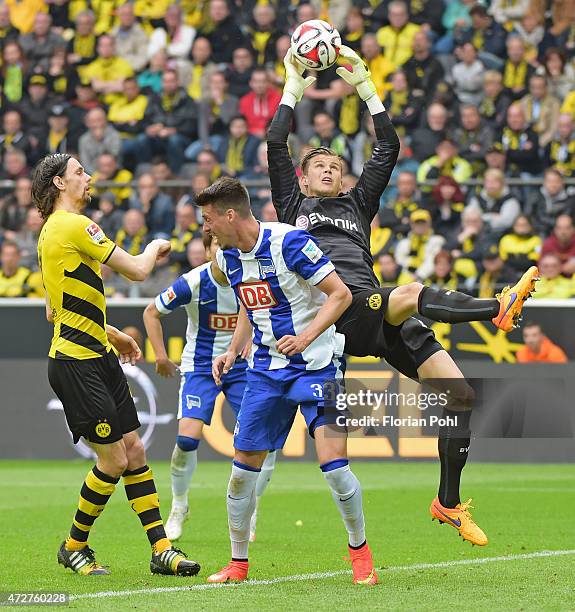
(405, 346)
(96, 398)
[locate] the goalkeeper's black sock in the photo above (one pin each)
(143, 499)
(95, 492)
(455, 307)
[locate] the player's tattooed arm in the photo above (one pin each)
(164, 366)
(241, 340)
(127, 347)
(338, 300)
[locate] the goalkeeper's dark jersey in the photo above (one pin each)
(340, 224)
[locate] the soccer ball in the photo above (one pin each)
(315, 44)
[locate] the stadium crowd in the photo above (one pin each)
(481, 94)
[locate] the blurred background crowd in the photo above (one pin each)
(158, 99)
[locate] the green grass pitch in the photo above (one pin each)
(524, 509)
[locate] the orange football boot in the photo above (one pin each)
(459, 518)
(362, 565)
(235, 571)
(511, 300)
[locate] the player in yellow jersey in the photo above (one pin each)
(84, 371)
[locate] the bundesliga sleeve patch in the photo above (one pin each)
(169, 295)
(312, 251)
(95, 232)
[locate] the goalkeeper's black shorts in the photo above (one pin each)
(97, 401)
(405, 347)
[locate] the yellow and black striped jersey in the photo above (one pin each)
(70, 250)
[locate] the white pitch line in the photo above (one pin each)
(319, 575)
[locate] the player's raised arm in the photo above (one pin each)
(377, 170)
(283, 179)
(138, 267)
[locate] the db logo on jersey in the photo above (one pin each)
(222, 322)
(95, 232)
(257, 296)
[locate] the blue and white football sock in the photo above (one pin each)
(241, 502)
(182, 467)
(346, 492)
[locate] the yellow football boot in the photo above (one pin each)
(460, 518)
(511, 300)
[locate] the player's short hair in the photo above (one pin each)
(224, 194)
(306, 159)
(44, 192)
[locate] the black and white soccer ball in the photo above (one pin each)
(315, 44)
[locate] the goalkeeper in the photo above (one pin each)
(381, 322)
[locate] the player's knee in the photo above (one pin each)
(409, 294)
(115, 464)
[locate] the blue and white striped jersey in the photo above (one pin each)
(212, 316)
(276, 283)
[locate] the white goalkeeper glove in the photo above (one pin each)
(359, 77)
(295, 82)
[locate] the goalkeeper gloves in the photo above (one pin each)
(295, 82)
(359, 77)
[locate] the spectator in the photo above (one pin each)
(259, 195)
(517, 71)
(22, 13)
(238, 149)
(14, 208)
(354, 31)
(201, 69)
(495, 102)
(260, 105)
(27, 238)
(8, 33)
(497, 205)
(538, 348)
(268, 213)
(520, 248)
(13, 136)
(327, 135)
(35, 109)
(505, 12)
(397, 210)
(531, 32)
(264, 33)
(39, 45)
(100, 138)
(455, 20)
(126, 115)
(495, 157)
(108, 71)
(446, 162)
(132, 236)
(58, 139)
(176, 37)
(560, 74)
(238, 75)
(445, 276)
(379, 66)
(171, 124)
(15, 165)
(225, 35)
(486, 35)
(196, 253)
(405, 163)
(427, 14)
(561, 150)
(157, 207)
(468, 75)
(425, 140)
(150, 14)
(562, 244)
(446, 206)
(185, 230)
(276, 71)
(150, 80)
(541, 109)
(520, 144)
(85, 100)
(423, 71)
(402, 107)
(81, 49)
(553, 284)
(416, 252)
(107, 169)
(208, 164)
(397, 37)
(12, 71)
(495, 275)
(108, 216)
(13, 277)
(216, 109)
(473, 240)
(130, 37)
(549, 201)
(568, 106)
(200, 181)
(473, 137)
(389, 272)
